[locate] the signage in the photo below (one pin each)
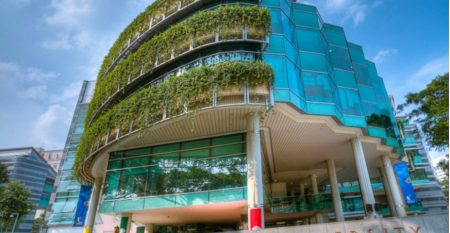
(404, 181)
(82, 205)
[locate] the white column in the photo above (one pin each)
(335, 191)
(387, 190)
(302, 189)
(363, 176)
(149, 228)
(93, 204)
(315, 191)
(255, 186)
(395, 190)
(314, 186)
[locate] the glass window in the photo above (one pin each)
(306, 19)
(132, 182)
(344, 78)
(309, 40)
(350, 103)
(340, 57)
(318, 87)
(313, 61)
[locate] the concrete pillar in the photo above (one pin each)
(255, 182)
(125, 223)
(93, 205)
(387, 190)
(335, 191)
(302, 189)
(149, 228)
(395, 190)
(315, 191)
(364, 178)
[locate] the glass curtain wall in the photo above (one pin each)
(194, 166)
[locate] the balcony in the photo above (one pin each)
(171, 55)
(308, 203)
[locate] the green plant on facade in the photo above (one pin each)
(191, 89)
(139, 25)
(175, 40)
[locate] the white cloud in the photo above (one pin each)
(35, 74)
(35, 92)
(429, 71)
(68, 17)
(46, 128)
(355, 11)
(383, 54)
(71, 91)
(68, 13)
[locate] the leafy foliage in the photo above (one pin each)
(176, 40)
(194, 88)
(4, 178)
(431, 111)
(13, 199)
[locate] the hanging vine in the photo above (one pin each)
(176, 39)
(193, 88)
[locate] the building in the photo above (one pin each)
(441, 175)
(53, 157)
(225, 115)
(67, 190)
(27, 166)
(424, 179)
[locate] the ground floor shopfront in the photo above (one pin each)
(238, 168)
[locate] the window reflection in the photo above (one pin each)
(201, 165)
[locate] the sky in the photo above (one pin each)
(48, 47)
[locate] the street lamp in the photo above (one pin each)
(15, 221)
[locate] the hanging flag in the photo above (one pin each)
(82, 205)
(404, 181)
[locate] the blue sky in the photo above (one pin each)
(47, 47)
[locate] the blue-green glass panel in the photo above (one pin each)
(281, 95)
(313, 62)
(278, 64)
(321, 109)
(309, 40)
(159, 202)
(270, 2)
(356, 53)
(367, 93)
(303, 7)
(129, 205)
(276, 44)
(227, 195)
(317, 87)
(107, 207)
(355, 121)
(349, 100)
(377, 132)
(276, 23)
(189, 199)
(344, 78)
(306, 19)
(340, 57)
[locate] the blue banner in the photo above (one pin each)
(82, 205)
(404, 181)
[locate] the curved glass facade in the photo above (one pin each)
(320, 72)
(202, 169)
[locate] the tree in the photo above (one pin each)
(13, 199)
(3, 173)
(431, 111)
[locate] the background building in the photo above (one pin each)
(53, 157)
(62, 216)
(27, 166)
(424, 179)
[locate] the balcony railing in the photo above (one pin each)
(181, 50)
(284, 204)
(239, 95)
(155, 23)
